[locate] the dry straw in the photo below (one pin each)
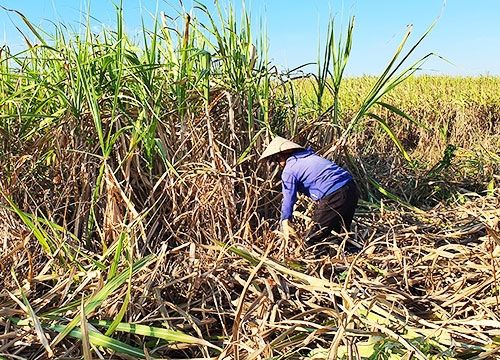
(137, 219)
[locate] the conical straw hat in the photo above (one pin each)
(277, 145)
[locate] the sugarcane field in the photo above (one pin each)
(175, 195)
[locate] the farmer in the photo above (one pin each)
(331, 186)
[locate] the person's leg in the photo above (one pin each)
(348, 206)
(335, 212)
(326, 218)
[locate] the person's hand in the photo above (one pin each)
(287, 230)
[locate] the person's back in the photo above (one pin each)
(316, 176)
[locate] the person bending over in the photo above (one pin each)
(331, 186)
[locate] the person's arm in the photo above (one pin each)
(289, 190)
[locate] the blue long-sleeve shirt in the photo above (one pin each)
(311, 175)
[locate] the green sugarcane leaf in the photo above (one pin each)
(98, 339)
(95, 301)
(28, 24)
(401, 113)
(156, 332)
(391, 134)
(42, 237)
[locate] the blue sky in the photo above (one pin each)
(467, 33)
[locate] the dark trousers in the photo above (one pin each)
(334, 212)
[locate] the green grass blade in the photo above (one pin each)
(391, 134)
(28, 24)
(401, 113)
(159, 333)
(95, 301)
(118, 253)
(124, 306)
(394, 197)
(98, 339)
(40, 234)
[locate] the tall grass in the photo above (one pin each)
(133, 165)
